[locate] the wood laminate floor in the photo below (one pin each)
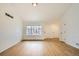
(41, 48)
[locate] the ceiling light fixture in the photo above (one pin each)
(34, 4)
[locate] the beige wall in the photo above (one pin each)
(10, 29)
(70, 31)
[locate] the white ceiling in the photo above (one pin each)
(43, 12)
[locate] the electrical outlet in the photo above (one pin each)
(64, 24)
(77, 44)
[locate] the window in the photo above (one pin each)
(33, 30)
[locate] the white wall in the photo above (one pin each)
(70, 31)
(10, 29)
(52, 30)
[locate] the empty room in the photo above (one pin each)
(39, 29)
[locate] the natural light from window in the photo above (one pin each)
(33, 30)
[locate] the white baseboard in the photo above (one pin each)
(9, 46)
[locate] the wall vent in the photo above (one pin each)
(9, 15)
(77, 44)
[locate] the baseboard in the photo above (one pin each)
(40, 39)
(74, 46)
(51, 39)
(9, 46)
(32, 40)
